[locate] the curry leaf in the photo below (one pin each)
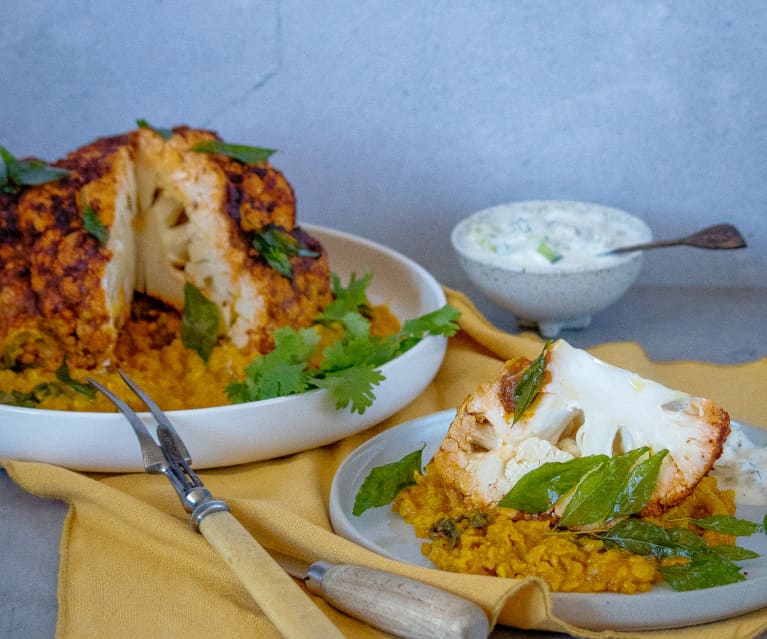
(277, 246)
(92, 222)
(598, 492)
(640, 537)
(64, 376)
(729, 525)
(384, 483)
(530, 383)
(239, 152)
(734, 553)
(701, 573)
(15, 174)
(542, 487)
(639, 486)
(165, 134)
(199, 322)
(703, 566)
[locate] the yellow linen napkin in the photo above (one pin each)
(132, 567)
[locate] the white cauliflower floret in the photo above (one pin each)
(584, 407)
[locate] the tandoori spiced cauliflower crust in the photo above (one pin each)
(584, 407)
(173, 216)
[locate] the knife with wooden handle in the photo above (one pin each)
(398, 605)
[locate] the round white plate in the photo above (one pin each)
(386, 533)
(253, 431)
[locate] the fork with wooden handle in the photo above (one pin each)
(402, 606)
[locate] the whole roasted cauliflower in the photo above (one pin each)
(143, 212)
(584, 407)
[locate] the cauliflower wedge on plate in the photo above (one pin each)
(584, 406)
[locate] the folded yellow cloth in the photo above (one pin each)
(132, 567)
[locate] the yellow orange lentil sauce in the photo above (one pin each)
(492, 543)
(151, 352)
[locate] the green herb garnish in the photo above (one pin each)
(65, 377)
(447, 529)
(598, 488)
(348, 367)
(92, 222)
(526, 390)
(239, 152)
(165, 134)
(706, 566)
(200, 322)
(539, 489)
(32, 398)
(729, 525)
(277, 246)
(16, 174)
(384, 483)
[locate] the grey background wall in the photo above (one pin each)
(395, 119)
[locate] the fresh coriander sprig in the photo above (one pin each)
(349, 366)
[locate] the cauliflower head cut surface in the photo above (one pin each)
(584, 407)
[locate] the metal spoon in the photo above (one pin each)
(719, 236)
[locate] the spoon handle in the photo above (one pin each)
(644, 247)
(719, 236)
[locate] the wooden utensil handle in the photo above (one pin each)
(401, 606)
(287, 606)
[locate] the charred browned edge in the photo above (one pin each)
(508, 380)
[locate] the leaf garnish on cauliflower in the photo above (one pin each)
(583, 407)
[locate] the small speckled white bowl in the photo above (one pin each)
(557, 296)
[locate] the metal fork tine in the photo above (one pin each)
(170, 438)
(151, 453)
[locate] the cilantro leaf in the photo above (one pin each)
(384, 483)
(348, 367)
(353, 385)
(239, 152)
(280, 372)
(199, 322)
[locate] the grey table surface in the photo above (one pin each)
(717, 325)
